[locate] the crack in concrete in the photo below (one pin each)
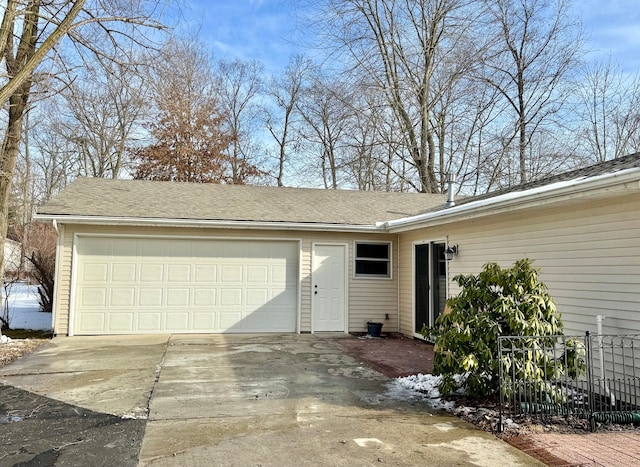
(157, 374)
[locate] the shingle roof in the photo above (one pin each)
(601, 168)
(95, 197)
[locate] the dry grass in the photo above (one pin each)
(17, 348)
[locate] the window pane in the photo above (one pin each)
(372, 250)
(373, 268)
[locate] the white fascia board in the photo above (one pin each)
(221, 224)
(539, 196)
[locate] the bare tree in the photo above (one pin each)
(30, 30)
(279, 117)
(39, 246)
(326, 121)
(240, 85)
(54, 160)
(102, 109)
(399, 45)
(610, 103)
(536, 45)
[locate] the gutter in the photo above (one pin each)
(629, 179)
(208, 223)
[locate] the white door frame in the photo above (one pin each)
(346, 282)
(429, 242)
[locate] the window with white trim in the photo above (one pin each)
(373, 259)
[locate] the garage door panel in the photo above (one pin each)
(180, 250)
(257, 273)
(206, 250)
(120, 322)
(153, 248)
(230, 297)
(255, 298)
(90, 322)
(204, 321)
(178, 297)
(151, 272)
(150, 321)
(253, 322)
(280, 273)
(97, 272)
(139, 285)
(229, 319)
(94, 296)
(179, 272)
(231, 273)
(279, 319)
(150, 297)
(123, 247)
(122, 297)
(95, 248)
(204, 297)
(258, 251)
(177, 320)
(282, 298)
(123, 272)
(205, 273)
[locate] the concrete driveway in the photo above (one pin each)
(233, 400)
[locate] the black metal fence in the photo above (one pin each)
(590, 378)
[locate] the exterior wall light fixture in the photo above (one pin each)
(450, 252)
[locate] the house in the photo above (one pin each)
(140, 257)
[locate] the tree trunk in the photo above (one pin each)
(8, 158)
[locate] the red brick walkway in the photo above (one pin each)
(619, 449)
(401, 356)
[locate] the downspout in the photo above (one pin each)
(603, 382)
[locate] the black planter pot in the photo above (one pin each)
(374, 329)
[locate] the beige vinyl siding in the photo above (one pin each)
(373, 298)
(63, 281)
(368, 299)
(588, 253)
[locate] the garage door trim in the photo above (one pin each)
(75, 256)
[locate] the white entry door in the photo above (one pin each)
(328, 287)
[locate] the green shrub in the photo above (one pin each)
(497, 302)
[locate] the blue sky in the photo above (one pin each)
(612, 28)
(268, 30)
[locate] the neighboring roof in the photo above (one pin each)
(100, 199)
(602, 180)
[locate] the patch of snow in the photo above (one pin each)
(362, 442)
(137, 413)
(444, 426)
(24, 309)
(424, 387)
(4, 339)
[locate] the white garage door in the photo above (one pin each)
(159, 285)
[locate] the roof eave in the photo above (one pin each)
(207, 223)
(601, 185)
